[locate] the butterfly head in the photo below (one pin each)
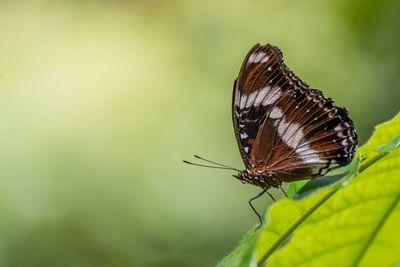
(242, 176)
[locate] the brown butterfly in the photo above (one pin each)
(286, 131)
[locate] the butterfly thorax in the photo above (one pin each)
(264, 180)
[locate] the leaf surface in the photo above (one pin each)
(357, 226)
(348, 222)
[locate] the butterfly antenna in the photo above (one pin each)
(208, 166)
(213, 162)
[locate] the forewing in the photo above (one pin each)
(253, 94)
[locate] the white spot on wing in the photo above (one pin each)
(309, 159)
(237, 97)
(272, 96)
(250, 99)
(246, 149)
(276, 113)
(307, 154)
(243, 101)
(261, 95)
(265, 59)
(291, 134)
(338, 128)
(243, 136)
(257, 57)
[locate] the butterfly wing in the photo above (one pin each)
(282, 126)
(252, 96)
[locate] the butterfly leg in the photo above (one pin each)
(270, 195)
(254, 198)
(283, 191)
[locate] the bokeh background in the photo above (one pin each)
(101, 100)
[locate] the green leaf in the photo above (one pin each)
(353, 225)
(278, 227)
(391, 146)
(285, 217)
(384, 133)
(294, 187)
(357, 226)
(241, 256)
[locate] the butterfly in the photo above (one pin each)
(285, 130)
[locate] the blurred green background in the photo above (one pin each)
(101, 100)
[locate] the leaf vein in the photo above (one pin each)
(380, 224)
